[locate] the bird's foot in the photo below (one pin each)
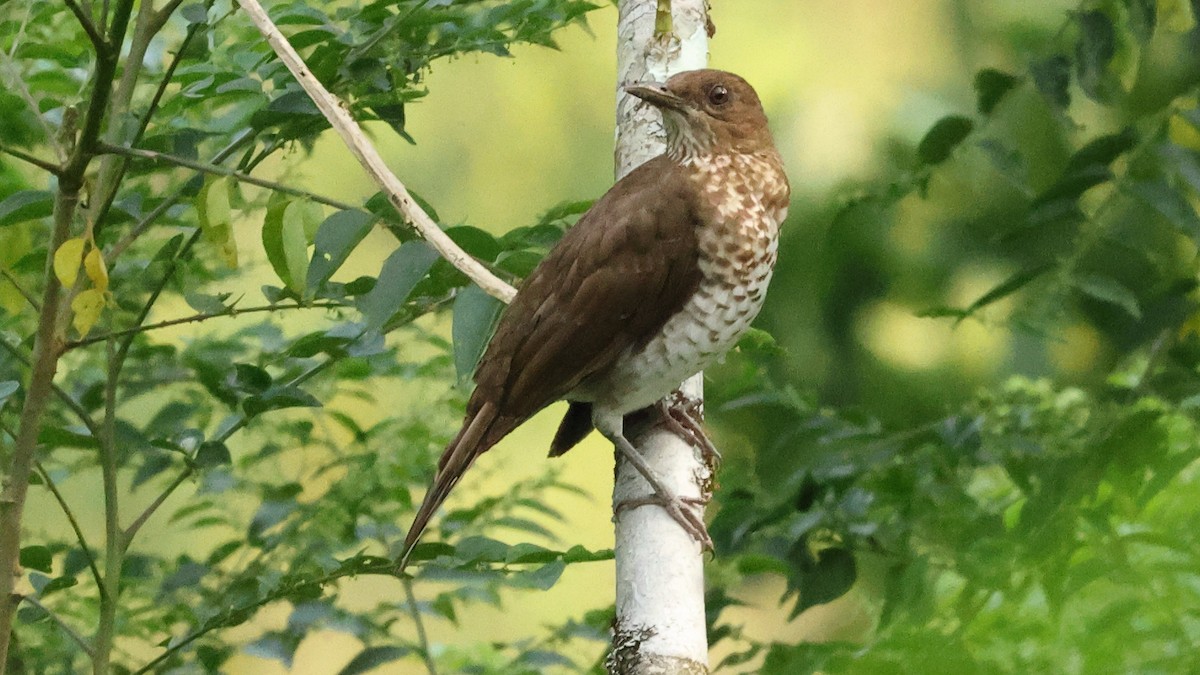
(680, 509)
(684, 510)
(684, 418)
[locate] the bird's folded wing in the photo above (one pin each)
(617, 276)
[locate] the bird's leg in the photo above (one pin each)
(678, 508)
(682, 417)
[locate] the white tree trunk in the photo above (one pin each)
(660, 626)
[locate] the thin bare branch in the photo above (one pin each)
(414, 612)
(42, 164)
(154, 505)
(146, 222)
(201, 316)
(21, 289)
(166, 12)
(62, 395)
(70, 632)
(66, 509)
(88, 26)
(335, 111)
(218, 170)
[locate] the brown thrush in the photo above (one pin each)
(657, 280)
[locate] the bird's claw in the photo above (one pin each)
(681, 510)
(684, 418)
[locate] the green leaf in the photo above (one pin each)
(823, 580)
(1096, 47)
(298, 219)
(542, 578)
(475, 241)
(401, 273)
(1103, 150)
(480, 549)
(1111, 291)
(52, 436)
(334, 241)
(475, 314)
(277, 398)
(1052, 76)
(26, 205)
(37, 558)
(990, 87)
(373, 657)
(941, 140)
(272, 234)
(1143, 16)
(8, 388)
(212, 453)
(1168, 202)
(1009, 286)
(251, 378)
(530, 553)
(53, 585)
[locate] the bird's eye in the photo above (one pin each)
(718, 95)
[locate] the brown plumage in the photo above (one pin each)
(656, 280)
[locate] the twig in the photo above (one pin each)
(415, 613)
(70, 632)
(335, 111)
(63, 396)
(218, 170)
(115, 543)
(194, 318)
(26, 157)
(88, 27)
(145, 223)
(158, 501)
(21, 289)
(66, 509)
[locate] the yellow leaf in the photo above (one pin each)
(66, 261)
(87, 307)
(228, 250)
(217, 213)
(93, 264)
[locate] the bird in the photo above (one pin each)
(656, 281)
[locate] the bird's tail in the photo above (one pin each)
(476, 437)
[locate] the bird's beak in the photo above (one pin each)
(657, 95)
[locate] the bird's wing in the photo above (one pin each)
(614, 279)
(611, 283)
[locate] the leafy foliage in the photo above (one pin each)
(1039, 523)
(227, 413)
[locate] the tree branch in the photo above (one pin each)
(66, 509)
(42, 164)
(415, 613)
(62, 395)
(46, 352)
(335, 111)
(201, 316)
(660, 615)
(70, 632)
(145, 223)
(115, 543)
(88, 27)
(158, 502)
(149, 24)
(21, 289)
(217, 170)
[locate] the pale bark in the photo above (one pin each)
(660, 626)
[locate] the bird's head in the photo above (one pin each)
(707, 112)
